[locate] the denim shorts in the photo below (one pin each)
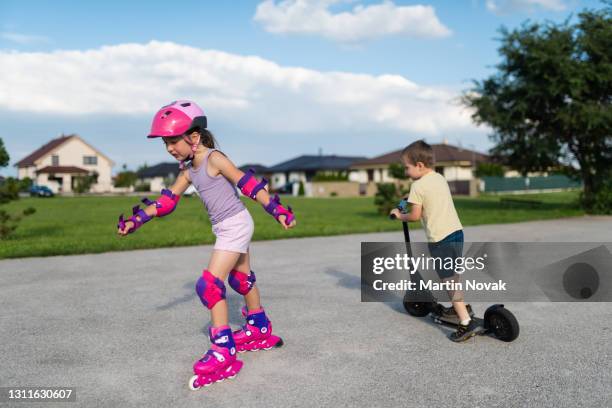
(450, 247)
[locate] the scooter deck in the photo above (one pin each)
(439, 317)
(478, 320)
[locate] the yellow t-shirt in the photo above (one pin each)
(439, 217)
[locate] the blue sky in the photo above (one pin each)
(276, 78)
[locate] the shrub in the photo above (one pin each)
(386, 198)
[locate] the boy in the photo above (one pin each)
(432, 204)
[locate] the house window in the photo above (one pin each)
(55, 160)
(90, 160)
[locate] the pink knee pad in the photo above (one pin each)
(210, 289)
(241, 282)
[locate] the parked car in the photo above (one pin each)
(41, 191)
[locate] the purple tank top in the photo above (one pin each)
(217, 193)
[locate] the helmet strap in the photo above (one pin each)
(194, 148)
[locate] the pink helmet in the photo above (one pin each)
(176, 119)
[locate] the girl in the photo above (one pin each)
(182, 127)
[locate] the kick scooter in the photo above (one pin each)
(497, 321)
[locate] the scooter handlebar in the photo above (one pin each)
(402, 206)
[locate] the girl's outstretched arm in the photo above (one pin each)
(224, 166)
(164, 205)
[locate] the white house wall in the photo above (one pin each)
(297, 176)
(456, 173)
(381, 175)
(157, 184)
(24, 172)
(278, 180)
(359, 176)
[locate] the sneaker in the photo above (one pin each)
(465, 332)
(448, 314)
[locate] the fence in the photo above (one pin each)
(522, 184)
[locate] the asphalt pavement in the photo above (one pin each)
(124, 329)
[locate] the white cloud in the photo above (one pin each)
(248, 92)
(510, 6)
(24, 39)
(361, 23)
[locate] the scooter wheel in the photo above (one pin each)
(502, 323)
(418, 309)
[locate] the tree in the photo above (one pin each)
(489, 169)
(25, 184)
(397, 171)
(9, 191)
(125, 178)
(83, 183)
(549, 102)
(4, 157)
(331, 176)
(387, 196)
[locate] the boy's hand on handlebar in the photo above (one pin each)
(395, 212)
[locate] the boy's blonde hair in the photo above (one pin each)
(419, 151)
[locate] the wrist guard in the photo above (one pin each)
(139, 217)
(275, 209)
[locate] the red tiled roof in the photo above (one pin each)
(442, 153)
(62, 169)
(450, 153)
(37, 154)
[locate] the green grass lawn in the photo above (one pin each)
(76, 225)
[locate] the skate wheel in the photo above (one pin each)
(193, 383)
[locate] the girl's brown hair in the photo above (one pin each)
(206, 138)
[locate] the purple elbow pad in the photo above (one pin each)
(276, 209)
(139, 218)
(248, 184)
(165, 204)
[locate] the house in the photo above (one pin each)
(304, 168)
(457, 164)
(160, 176)
(59, 163)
